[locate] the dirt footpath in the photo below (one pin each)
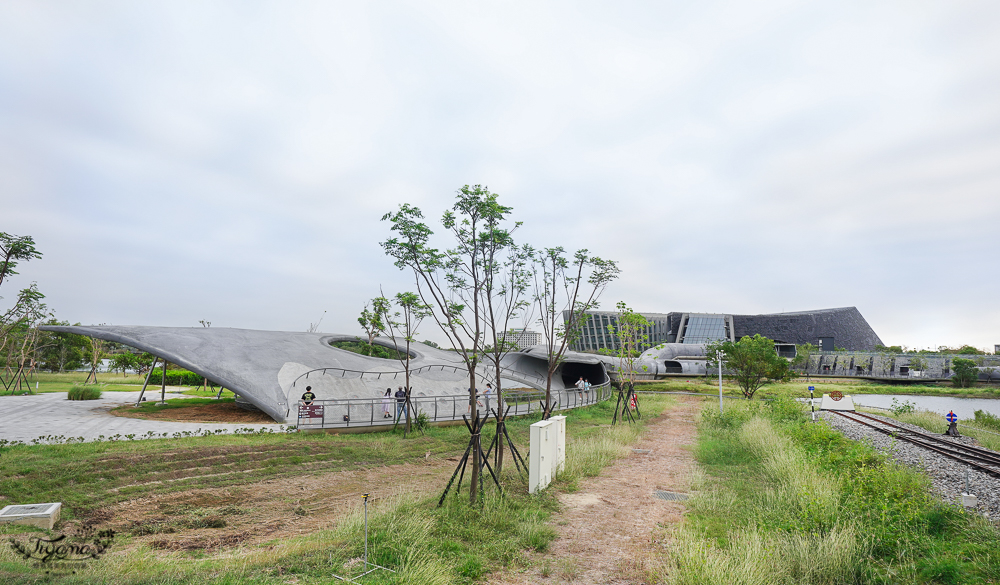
(606, 529)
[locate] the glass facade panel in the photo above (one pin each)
(705, 329)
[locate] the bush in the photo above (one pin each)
(81, 392)
(985, 419)
(175, 378)
(966, 373)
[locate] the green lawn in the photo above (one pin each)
(109, 382)
(800, 388)
(787, 501)
(453, 544)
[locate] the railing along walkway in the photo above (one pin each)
(368, 412)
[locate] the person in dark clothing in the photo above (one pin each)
(400, 401)
(308, 396)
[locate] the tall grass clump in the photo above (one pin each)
(81, 392)
(788, 501)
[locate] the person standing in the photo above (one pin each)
(586, 388)
(400, 402)
(579, 386)
(387, 403)
(308, 396)
(486, 395)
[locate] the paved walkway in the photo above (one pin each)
(23, 418)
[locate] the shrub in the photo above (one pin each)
(966, 374)
(81, 392)
(175, 378)
(985, 419)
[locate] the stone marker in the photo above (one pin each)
(41, 515)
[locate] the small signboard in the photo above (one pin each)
(952, 417)
(310, 411)
(837, 395)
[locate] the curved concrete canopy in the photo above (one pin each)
(266, 368)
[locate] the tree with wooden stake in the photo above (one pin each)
(506, 281)
(20, 337)
(401, 326)
(13, 250)
(632, 332)
(451, 282)
(564, 292)
(97, 352)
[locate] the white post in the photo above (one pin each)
(719, 356)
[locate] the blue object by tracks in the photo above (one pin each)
(952, 417)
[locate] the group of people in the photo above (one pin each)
(583, 386)
(400, 397)
(387, 399)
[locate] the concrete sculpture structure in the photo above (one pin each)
(269, 369)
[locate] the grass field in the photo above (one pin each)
(452, 544)
(110, 382)
(800, 388)
(786, 501)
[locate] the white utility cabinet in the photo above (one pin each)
(547, 452)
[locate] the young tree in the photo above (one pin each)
(60, 351)
(631, 330)
(401, 326)
(753, 361)
(97, 351)
(965, 373)
(564, 292)
(452, 281)
(372, 320)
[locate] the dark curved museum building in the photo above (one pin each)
(826, 328)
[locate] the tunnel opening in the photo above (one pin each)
(673, 367)
(593, 373)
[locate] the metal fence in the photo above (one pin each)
(370, 412)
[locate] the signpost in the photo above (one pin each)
(812, 402)
(952, 419)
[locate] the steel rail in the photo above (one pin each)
(987, 455)
(907, 435)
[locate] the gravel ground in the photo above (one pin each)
(947, 475)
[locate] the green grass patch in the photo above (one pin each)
(799, 388)
(81, 392)
(788, 501)
(453, 544)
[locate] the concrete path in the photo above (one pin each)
(23, 418)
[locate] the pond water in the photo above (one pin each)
(963, 407)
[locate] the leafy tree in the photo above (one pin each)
(564, 291)
(124, 361)
(452, 281)
(889, 348)
(802, 355)
(965, 373)
(372, 320)
(59, 351)
(918, 363)
(631, 331)
(753, 361)
(401, 326)
(14, 249)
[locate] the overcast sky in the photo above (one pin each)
(178, 161)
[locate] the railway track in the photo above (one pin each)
(983, 460)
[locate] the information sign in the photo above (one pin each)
(310, 411)
(836, 395)
(952, 417)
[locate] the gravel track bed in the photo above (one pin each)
(947, 475)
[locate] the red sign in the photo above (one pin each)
(836, 395)
(310, 411)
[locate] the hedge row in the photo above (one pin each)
(176, 378)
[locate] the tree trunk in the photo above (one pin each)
(474, 480)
